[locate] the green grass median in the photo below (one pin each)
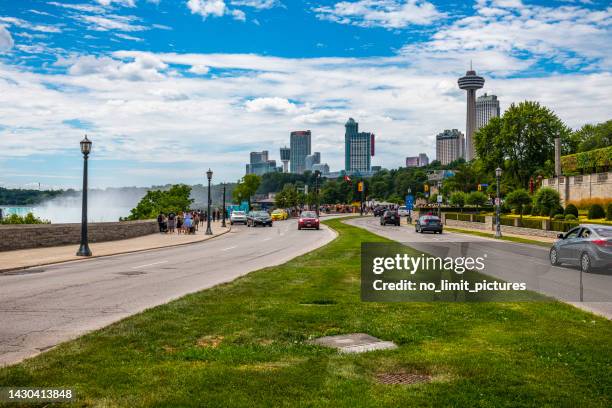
(244, 344)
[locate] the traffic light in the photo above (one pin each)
(426, 187)
(360, 186)
(480, 187)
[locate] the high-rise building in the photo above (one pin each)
(487, 107)
(322, 168)
(450, 146)
(259, 164)
(300, 148)
(285, 156)
(423, 160)
(312, 159)
(412, 161)
(358, 148)
(470, 82)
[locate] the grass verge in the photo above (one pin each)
(504, 237)
(243, 344)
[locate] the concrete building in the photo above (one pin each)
(323, 168)
(358, 148)
(450, 146)
(260, 164)
(285, 156)
(487, 107)
(412, 161)
(300, 148)
(470, 83)
(423, 160)
(312, 159)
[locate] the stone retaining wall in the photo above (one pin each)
(489, 226)
(48, 235)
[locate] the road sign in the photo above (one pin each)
(440, 199)
(409, 202)
(496, 200)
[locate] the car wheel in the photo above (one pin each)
(554, 257)
(317, 228)
(299, 228)
(585, 263)
(231, 223)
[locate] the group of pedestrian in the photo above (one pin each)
(186, 222)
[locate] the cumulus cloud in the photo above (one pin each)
(145, 67)
(6, 41)
(257, 4)
(381, 13)
(271, 105)
(26, 25)
(205, 8)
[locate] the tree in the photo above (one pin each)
(590, 137)
(476, 198)
(521, 141)
(246, 188)
(176, 199)
(518, 199)
(458, 199)
(547, 199)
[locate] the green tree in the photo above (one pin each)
(176, 199)
(590, 137)
(521, 141)
(458, 198)
(246, 188)
(518, 199)
(476, 198)
(547, 199)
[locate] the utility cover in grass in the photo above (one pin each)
(354, 343)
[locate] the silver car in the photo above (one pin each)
(238, 217)
(587, 246)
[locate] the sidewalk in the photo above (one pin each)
(26, 258)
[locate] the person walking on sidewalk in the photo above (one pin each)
(160, 222)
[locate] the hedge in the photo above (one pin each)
(562, 226)
(587, 160)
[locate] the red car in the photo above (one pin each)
(308, 219)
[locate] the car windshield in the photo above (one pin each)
(604, 232)
(238, 213)
(309, 214)
(402, 208)
(277, 212)
(260, 214)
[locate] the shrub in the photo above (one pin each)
(571, 210)
(555, 210)
(547, 199)
(458, 198)
(476, 198)
(535, 210)
(596, 211)
(559, 217)
(27, 219)
(570, 217)
(609, 212)
(527, 209)
(518, 199)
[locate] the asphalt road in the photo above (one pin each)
(41, 307)
(512, 262)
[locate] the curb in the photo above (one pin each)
(20, 268)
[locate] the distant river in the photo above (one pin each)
(60, 213)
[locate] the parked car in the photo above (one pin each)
(308, 219)
(279, 215)
(403, 211)
(255, 218)
(238, 217)
(428, 223)
(588, 246)
(390, 217)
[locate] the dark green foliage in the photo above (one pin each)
(518, 199)
(27, 219)
(559, 217)
(609, 212)
(556, 211)
(571, 209)
(596, 211)
(175, 200)
(26, 197)
(527, 208)
(547, 199)
(570, 217)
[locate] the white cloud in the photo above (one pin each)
(112, 22)
(90, 8)
(271, 105)
(257, 4)
(146, 67)
(6, 41)
(26, 25)
(199, 69)
(381, 13)
(205, 8)
(238, 15)
(128, 37)
(125, 3)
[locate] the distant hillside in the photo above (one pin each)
(21, 197)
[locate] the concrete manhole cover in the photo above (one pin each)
(132, 273)
(354, 343)
(402, 378)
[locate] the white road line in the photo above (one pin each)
(151, 264)
(267, 239)
(228, 248)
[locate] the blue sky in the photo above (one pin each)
(169, 88)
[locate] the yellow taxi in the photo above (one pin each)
(279, 214)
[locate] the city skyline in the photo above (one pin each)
(163, 96)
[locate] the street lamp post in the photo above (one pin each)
(209, 175)
(409, 208)
(317, 173)
(223, 222)
(439, 200)
(84, 248)
(498, 234)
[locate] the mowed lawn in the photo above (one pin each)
(244, 344)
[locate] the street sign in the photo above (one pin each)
(409, 202)
(496, 200)
(440, 199)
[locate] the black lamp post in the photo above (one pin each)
(84, 248)
(439, 199)
(209, 175)
(223, 219)
(409, 209)
(498, 234)
(317, 174)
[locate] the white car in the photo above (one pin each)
(402, 211)
(238, 217)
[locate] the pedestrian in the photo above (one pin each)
(171, 223)
(160, 220)
(179, 224)
(196, 220)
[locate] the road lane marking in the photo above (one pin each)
(151, 264)
(228, 248)
(267, 239)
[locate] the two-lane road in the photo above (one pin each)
(41, 307)
(512, 262)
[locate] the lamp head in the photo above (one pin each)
(85, 146)
(498, 172)
(209, 174)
